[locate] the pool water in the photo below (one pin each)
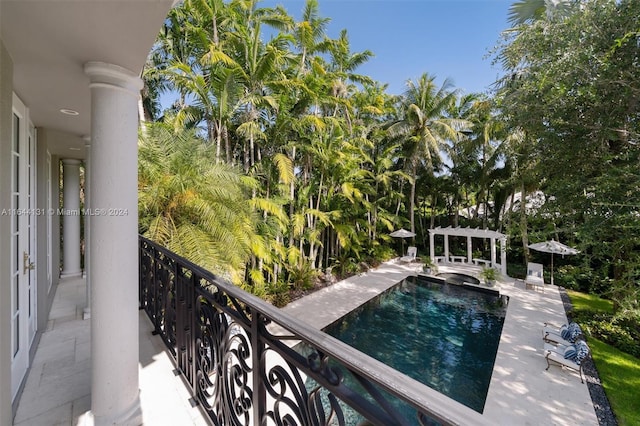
(442, 335)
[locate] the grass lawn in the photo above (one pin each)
(620, 376)
(618, 371)
(583, 301)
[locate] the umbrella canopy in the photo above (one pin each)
(402, 233)
(553, 247)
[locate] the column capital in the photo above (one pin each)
(110, 75)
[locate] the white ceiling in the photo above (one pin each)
(49, 42)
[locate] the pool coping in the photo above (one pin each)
(521, 391)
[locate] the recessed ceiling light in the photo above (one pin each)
(74, 149)
(69, 111)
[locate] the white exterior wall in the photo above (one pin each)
(44, 292)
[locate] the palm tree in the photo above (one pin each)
(173, 45)
(528, 11)
(309, 34)
(425, 127)
(259, 65)
(193, 206)
(487, 131)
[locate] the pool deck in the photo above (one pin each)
(521, 392)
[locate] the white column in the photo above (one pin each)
(469, 250)
(493, 252)
(114, 245)
(71, 218)
(86, 313)
(503, 255)
(446, 247)
(432, 246)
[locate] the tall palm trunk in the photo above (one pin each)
(218, 137)
(523, 224)
(292, 194)
(414, 175)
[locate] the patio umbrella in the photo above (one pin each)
(553, 247)
(402, 233)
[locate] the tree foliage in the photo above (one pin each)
(571, 86)
(274, 127)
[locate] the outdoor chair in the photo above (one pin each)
(564, 335)
(567, 356)
(535, 276)
(411, 255)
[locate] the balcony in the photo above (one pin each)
(213, 354)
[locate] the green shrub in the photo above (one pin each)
(582, 278)
(345, 266)
(382, 253)
(302, 276)
(573, 277)
(516, 270)
(278, 294)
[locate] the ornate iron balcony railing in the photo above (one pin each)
(235, 353)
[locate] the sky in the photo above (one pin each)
(445, 38)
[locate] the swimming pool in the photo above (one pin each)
(445, 336)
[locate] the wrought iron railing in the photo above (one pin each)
(236, 354)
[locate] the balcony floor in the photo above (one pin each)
(58, 387)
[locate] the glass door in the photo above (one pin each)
(23, 282)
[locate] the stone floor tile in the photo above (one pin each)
(57, 416)
(50, 395)
(81, 406)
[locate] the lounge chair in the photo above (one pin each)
(535, 276)
(566, 334)
(567, 356)
(411, 255)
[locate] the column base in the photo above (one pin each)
(131, 417)
(71, 274)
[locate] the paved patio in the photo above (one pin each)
(57, 391)
(58, 387)
(521, 392)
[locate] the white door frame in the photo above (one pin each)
(32, 232)
(23, 238)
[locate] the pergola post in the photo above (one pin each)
(446, 247)
(493, 252)
(432, 252)
(503, 255)
(471, 233)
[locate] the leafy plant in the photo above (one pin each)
(428, 264)
(302, 276)
(490, 275)
(278, 294)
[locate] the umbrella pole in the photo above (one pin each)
(551, 268)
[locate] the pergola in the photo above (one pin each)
(470, 233)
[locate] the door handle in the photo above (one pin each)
(26, 265)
